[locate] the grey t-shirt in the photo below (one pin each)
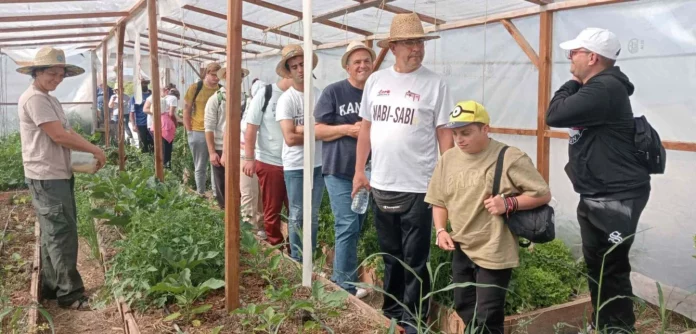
(339, 104)
(43, 158)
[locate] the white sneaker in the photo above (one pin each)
(262, 235)
(361, 293)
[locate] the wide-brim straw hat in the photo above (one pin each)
(292, 51)
(222, 73)
(404, 27)
(50, 57)
(355, 46)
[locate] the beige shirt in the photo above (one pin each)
(43, 158)
(462, 181)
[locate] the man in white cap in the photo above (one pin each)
(290, 114)
(47, 140)
(614, 186)
(338, 125)
(404, 110)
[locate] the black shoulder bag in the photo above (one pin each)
(535, 225)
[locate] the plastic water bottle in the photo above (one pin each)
(360, 201)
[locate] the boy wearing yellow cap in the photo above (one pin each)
(485, 251)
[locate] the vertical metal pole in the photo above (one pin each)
(308, 174)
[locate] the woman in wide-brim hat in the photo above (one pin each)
(289, 52)
(47, 140)
(405, 27)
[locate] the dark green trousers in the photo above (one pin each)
(54, 201)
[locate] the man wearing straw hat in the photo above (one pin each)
(338, 125)
(290, 114)
(47, 140)
(404, 109)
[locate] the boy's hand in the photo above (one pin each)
(444, 241)
(495, 205)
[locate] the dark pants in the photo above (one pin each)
(167, 149)
(479, 307)
(219, 179)
(272, 184)
(147, 144)
(405, 236)
(54, 201)
(604, 224)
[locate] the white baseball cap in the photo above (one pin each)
(597, 40)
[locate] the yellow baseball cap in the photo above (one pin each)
(467, 112)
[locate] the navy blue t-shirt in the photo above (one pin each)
(140, 115)
(339, 104)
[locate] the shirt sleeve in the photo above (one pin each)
(526, 178)
(284, 107)
(172, 101)
(132, 104)
(575, 105)
(189, 94)
(40, 110)
(254, 115)
(211, 113)
(364, 102)
(325, 111)
(444, 105)
(435, 194)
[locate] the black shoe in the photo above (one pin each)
(48, 294)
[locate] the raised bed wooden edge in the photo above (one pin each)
(32, 322)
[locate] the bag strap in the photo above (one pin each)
(499, 170)
(267, 97)
(199, 86)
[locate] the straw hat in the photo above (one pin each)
(49, 57)
(222, 73)
(403, 27)
(292, 51)
(355, 46)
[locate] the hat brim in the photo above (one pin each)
(385, 43)
(222, 73)
(455, 125)
(344, 59)
(280, 68)
(70, 70)
(571, 45)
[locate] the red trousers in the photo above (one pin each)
(272, 184)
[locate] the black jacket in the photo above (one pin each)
(603, 162)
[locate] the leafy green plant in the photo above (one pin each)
(185, 293)
(12, 176)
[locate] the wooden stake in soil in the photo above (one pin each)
(545, 48)
(154, 76)
(233, 105)
(120, 95)
(35, 279)
(105, 89)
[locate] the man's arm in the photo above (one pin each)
(575, 105)
(363, 147)
(212, 108)
(444, 139)
(291, 137)
(71, 140)
(327, 132)
(250, 140)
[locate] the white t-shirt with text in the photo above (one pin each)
(291, 106)
(405, 110)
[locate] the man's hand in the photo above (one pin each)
(299, 129)
(222, 160)
(214, 159)
(495, 205)
(101, 158)
(359, 181)
(249, 168)
(444, 241)
(354, 130)
(134, 127)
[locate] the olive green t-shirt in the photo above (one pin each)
(462, 181)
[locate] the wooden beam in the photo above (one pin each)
(512, 131)
(37, 1)
(154, 79)
(146, 47)
(422, 17)
(190, 39)
(380, 59)
(216, 33)
(67, 16)
(24, 45)
(232, 195)
(131, 12)
(544, 91)
(57, 27)
(165, 40)
(195, 70)
(298, 14)
(121, 35)
(244, 22)
(38, 38)
(521, 41)
(105, 87)
(540, 2)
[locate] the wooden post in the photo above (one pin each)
(154, 79)
(380, 58)
(120, 94)
(544, 97)
(105, 88)
(233, 82)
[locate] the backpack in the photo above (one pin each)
(199, 87)
(651, 152)
(267, 97)
(221, 97)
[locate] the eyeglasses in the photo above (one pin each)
(571, 53)
(410, 43)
